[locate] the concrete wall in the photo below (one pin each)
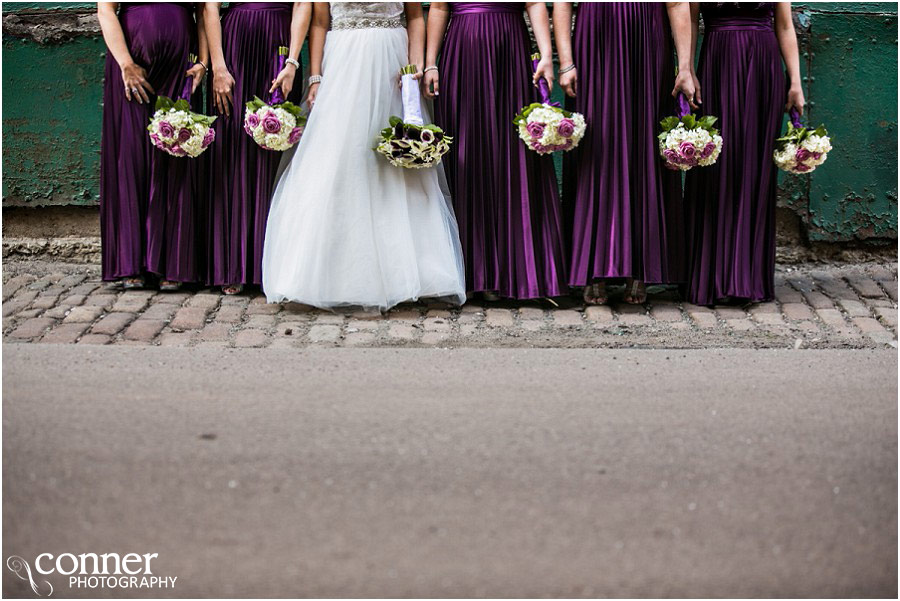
(52, 88)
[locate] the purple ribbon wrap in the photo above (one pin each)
(277, 97)
(795, 118)
(684, 108)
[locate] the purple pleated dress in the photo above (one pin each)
(731, 205)
(623, 208)
(148, 217)
(242, 173)
(505, 195)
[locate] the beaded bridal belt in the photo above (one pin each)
(369, 23)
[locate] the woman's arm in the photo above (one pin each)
(302, 13)
(680, 23)
(438, 17)
(695, 36)
(562, 31)
(540, 24)
(223, 82)
(415, 27)
(199, 69)
(321, 18)
(133, 75)
(790, 52)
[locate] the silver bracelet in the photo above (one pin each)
(315, 79)
(567, 69)
(291, 61)
(431, 68)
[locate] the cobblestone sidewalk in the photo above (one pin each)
(817, 306)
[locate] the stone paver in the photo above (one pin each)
(816, 306)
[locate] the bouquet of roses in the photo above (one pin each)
(546, 127)
(175, 129)
(801, 149)
(687, 141)
(408, 142)
(279, 124)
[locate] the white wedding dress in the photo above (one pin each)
(346, 228)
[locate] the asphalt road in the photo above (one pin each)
(475, 472)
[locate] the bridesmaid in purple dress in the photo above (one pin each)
(623, 208)
(731, 205)
(243, 47)
(147, 217)
(504, 194)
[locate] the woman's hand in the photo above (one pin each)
(568, 81)
(284, 80)
(684, 84)
(136, 85)
(313, 91)
(545, 70)
(795, 99)
(223, 90)
(197, 72)
(432, 83)
(697, 96)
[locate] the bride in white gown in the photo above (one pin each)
(346, 228)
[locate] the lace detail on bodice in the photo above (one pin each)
(367, 15)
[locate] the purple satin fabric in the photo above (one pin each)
(505, 196)
(286, 6)
(475, 8)
(731, 205)
(241, 173)
(623, 207)
(148, 216)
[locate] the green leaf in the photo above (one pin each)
(163, 103)
(669, 123)
(394, 121)
(690, 122)
(182, 105)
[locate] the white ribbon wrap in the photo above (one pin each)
(412, 100)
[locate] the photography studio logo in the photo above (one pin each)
(90, 571)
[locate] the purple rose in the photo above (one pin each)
(708, 150)
(566, 128)
(294, 137)
(271, 124)
(802, 154)
(177, 151)
(671, 155)
(184, 134)
(209, 137)
(535, 129)
(247, 129)
(687, 149)
(817, 155)
(166, 130)
(252, 120)
(802, 168)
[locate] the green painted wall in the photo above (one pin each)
(53, 58)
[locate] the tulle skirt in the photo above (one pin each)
(346, 228)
